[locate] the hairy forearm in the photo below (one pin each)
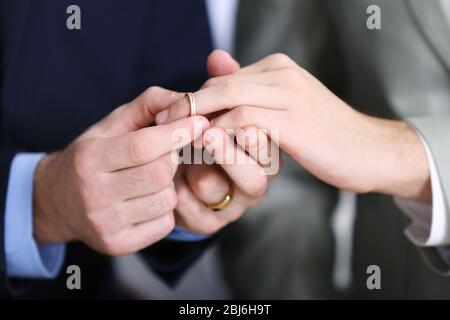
(46, 225)
(403, 160)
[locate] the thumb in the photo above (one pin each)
(220, 63)
(137, 114)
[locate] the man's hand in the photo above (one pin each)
(200, 186)
(112, 188)
(334, 142)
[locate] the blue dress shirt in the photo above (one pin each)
(24, 258)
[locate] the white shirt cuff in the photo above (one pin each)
(429, 223)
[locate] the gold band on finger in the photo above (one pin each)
(223, 204)
(192, 103)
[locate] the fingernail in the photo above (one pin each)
(162, 117)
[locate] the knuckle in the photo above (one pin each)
(112, 247)
(168, 200)
(167, 224)
(82, 158)
(240, 114)
(281, 58)
(151, 92)
(161, 174)
(211, 82)
(99, 225)
(258, 185)
(302, 77)
(230, 88)
(211, 189)
(91, 199)
(204, 184)
(293, 74)
(138, 148)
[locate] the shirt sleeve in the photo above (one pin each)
(180, 234)
(24, 257)
(429, 226)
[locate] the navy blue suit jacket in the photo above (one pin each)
(56, 82)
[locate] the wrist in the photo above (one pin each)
(48, 225)
(405, 163)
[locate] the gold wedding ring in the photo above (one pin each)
(192, 103)
(223, 204)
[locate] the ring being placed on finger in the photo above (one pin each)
(192, 103)
(223, 204)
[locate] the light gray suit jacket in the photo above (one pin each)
(284, 249)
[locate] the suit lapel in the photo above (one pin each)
(433, 25)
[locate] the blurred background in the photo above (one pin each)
(308, 240)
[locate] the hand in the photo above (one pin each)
(112, 188)
(200, 185)
(339, 145)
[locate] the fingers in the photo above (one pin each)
(193, 214)
(279, 77)
(238, 89)
(256, 143)
(227, 95)
(264, 146)
(245, 173)
(221, 63)
(148, 144)
(143, 180)
(261, 148)
(207, 182)
(138, 113)
(147, 208)
(140, 236)
(248, 116)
